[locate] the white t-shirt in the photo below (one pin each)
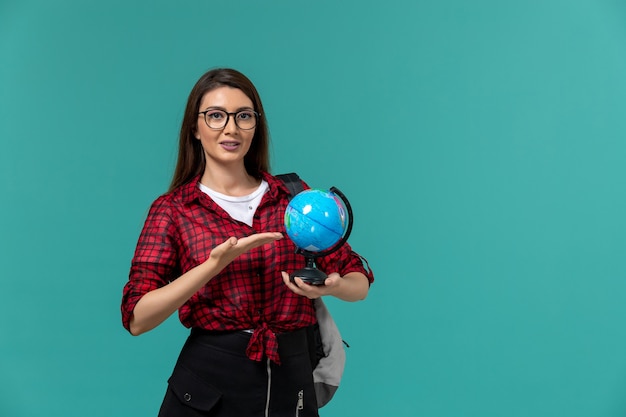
(239, 208)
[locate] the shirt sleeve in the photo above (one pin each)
(155, 261)
(345, 260)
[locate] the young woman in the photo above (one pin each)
(212, 248)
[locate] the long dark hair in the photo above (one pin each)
(191, 160)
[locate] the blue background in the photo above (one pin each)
(481, 145)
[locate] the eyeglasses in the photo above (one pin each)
(218, 119)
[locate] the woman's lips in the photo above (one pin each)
(229, 146)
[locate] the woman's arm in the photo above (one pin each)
(157, 305)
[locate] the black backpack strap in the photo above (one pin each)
(293, 182)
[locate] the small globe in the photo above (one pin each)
(315, 220)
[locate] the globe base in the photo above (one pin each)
(309, 275)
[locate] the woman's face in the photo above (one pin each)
(228, 145)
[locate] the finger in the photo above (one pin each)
(331, 281)
(308, 290)
(285, 278)
(255, 239)
(300, 283)
(267, 235)
(291, 285)
(260, 239)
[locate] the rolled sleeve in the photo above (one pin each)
(344, 261)
(155, 260)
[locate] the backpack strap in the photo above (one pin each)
(293, 182)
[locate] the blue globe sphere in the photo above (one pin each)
(315, 220)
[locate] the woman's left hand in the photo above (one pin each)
(312, 291)
(351, 287)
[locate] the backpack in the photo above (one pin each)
(326, 348)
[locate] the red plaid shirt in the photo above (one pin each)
(181, 229)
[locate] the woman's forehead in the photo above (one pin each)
(226, 97)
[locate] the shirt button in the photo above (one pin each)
(187, 397)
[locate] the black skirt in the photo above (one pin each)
(214, 378)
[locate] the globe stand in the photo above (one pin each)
(310, 274)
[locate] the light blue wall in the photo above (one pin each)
(481, 144)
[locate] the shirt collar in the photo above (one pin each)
(190, 192)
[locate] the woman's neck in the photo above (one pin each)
(233, 182)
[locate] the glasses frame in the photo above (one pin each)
(234, 114)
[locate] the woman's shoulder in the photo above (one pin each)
(280, 181)
(177, 197)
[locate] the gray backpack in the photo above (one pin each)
(326, 348)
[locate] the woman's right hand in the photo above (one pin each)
(228, 251)
(157, 305)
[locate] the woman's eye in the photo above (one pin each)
(245, 115)
(216, 115)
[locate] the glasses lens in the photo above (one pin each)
(215, 119)
(246, 119)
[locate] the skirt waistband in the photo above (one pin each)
(289, 343)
